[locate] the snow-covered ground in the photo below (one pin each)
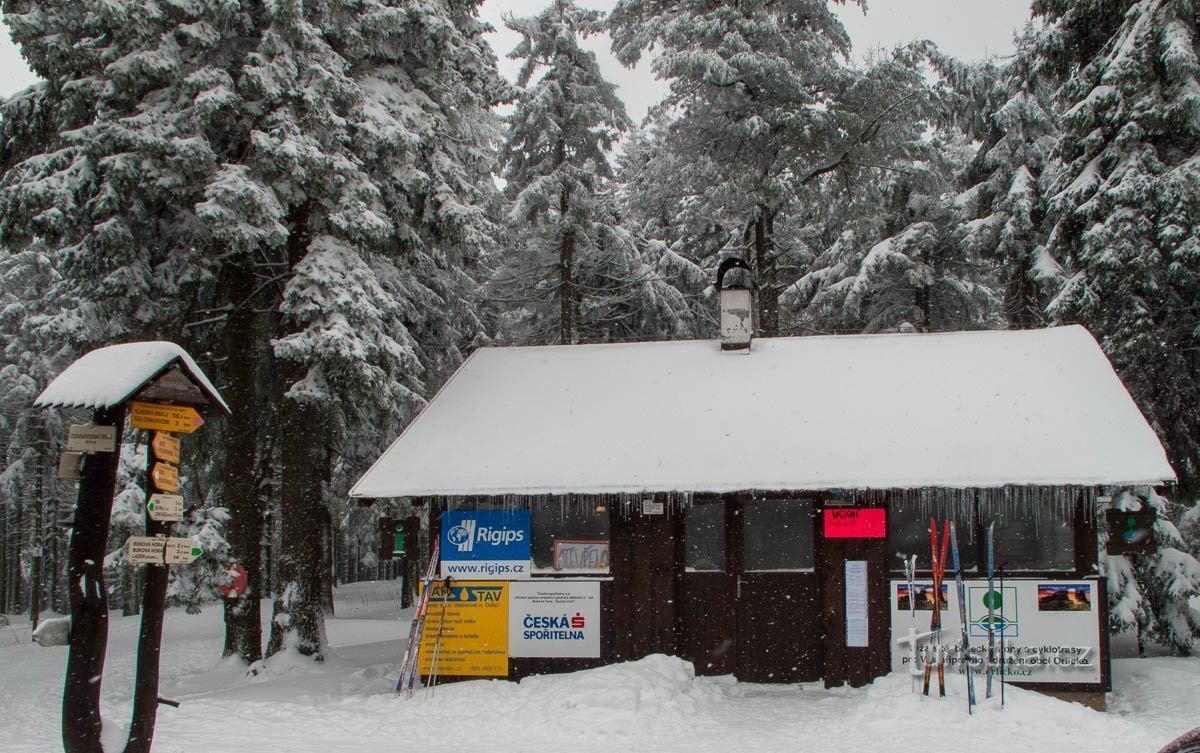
(655, 704)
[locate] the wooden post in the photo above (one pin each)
(81, 721)
(35, 591)
(149, 650)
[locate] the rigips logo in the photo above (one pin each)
(484, 530)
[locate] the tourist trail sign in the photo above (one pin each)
(90, 438)
(165, 508)
(165, 477)
(182, 551)
(181, 419)
(145, 550)
(166, 447)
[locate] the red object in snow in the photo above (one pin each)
(239, 582)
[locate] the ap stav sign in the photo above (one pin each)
(485, 544)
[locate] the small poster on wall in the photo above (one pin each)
(856, 603)
(572, 555)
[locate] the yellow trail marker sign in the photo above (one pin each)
(180, 419)
(165, 477)
(166, 447)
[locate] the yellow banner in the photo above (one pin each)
(467, 628)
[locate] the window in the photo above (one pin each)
(1039, 539)
(777, 534)
(909, 534)
(570, 537)
(704, 537)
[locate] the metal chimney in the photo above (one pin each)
(737, 304)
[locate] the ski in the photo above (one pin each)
(962, 615)
(447, 592)
(991, 605)
(938, 569)
(910, 574)
(408, 668)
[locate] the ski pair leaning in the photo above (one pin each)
(938, 570)
(408, 668)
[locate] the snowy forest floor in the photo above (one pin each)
(651, 705)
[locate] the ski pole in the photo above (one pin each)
(437, 643)
(1003, 630)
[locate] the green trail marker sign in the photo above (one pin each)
(181, 551)
(165, 508)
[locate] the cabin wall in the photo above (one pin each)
(785, 626)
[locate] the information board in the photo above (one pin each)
(467, 627)
(554, 618)
(486, 544)
(1051, 628)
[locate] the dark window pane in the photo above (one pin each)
(1033, 539)
(570, 537)
(908, 534)
(704, 537)
(777, 534)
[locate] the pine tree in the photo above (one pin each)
(568, 259)
(999, 214)
(300, 184)
(763, 109)
(1125, 210)
(1150, 593)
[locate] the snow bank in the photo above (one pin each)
(655, 704)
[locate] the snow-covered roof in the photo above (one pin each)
(962, 409)
(109, 376)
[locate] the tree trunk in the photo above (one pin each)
(81, 720)
(298, 621)
(243, 619)
(766, 269)
(566, 289)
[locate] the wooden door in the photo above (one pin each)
(855, 653)
(747, 590)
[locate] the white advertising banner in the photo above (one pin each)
(1051, 628)
(554, 618)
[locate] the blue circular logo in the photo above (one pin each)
(458, 535)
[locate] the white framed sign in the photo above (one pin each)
(1051, 628)
(554, 618)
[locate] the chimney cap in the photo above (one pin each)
(736, 262)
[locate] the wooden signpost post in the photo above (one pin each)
(160, 387)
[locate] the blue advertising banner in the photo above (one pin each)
(485, 544)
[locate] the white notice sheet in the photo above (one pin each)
(856, 603)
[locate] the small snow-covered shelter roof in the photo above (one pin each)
(962, 409)
(111, 375)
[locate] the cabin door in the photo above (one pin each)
(854, 586)
(748, 594)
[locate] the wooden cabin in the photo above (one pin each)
(750, 509)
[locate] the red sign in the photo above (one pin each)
(239, 581)
(855, 523)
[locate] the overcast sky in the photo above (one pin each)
(968, 29)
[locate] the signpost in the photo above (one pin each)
(114, 382)
(181, 419)
(165, 508)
